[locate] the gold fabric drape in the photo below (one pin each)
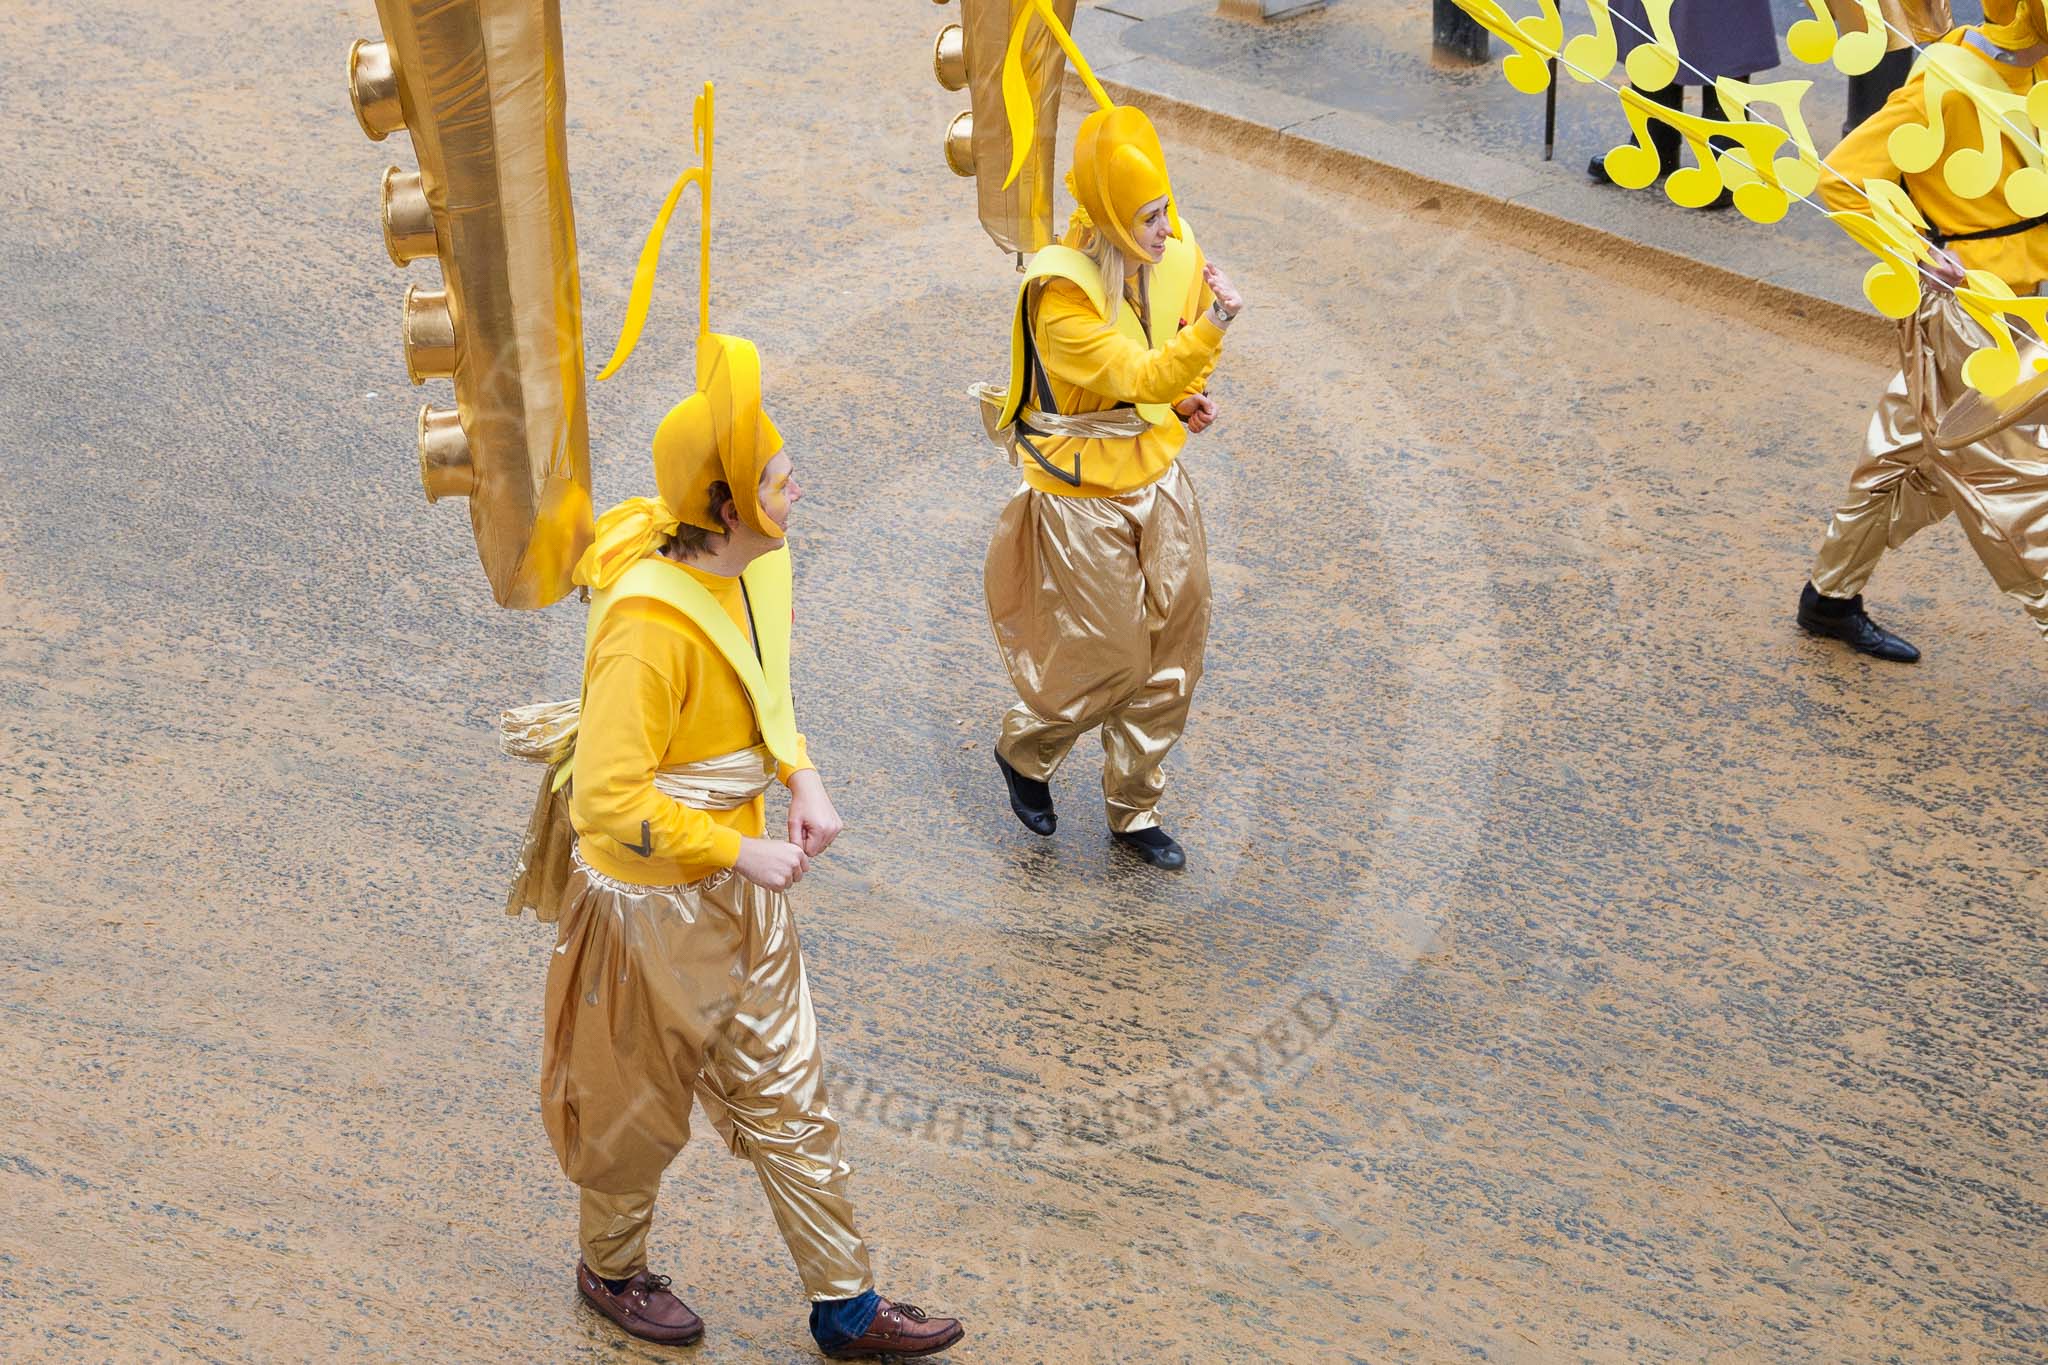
(1101, 610)
(1108, 425)
(1997, 488)
(546, 733)
(1925, 20)
(658, 995)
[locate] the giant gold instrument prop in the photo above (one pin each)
(988, 50)
(478, 86)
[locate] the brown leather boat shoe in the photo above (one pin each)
(900, 1331)
(645, 1307)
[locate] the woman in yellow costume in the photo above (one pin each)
(677, 975)
(1997, 487)
(1098, 576)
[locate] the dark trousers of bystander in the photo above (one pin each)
(1667, 139)
(1869, 91)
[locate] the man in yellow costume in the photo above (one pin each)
(1098, 576)
(677, 974)
(1998, 487)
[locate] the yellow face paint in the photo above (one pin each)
(776, 501)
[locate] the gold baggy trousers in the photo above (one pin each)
(1101, 611)
(1998, 488)
(659, 993)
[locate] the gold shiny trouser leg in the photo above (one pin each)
(614, 1231)
(1891, 497)
(1173, 556)
(1998, 488)
(1067, 602)
(1100, 608)
(657, 995)
(763, 1086)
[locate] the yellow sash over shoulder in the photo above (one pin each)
(546, 733)
(770, 600)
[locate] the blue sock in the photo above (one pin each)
(835, 1322)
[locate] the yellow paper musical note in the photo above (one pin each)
(2037, 105)
(1974, 171)
(1857, 54)
(1591, 56)
(1533, 42)
(1798, 175)
(1654, 65)
(1749, 172)
(2003, 119)
(1813, 40)
(1893, 231)
(1914, 147)
(1993, 369)
(1750, 169)
(2026, 192)
(1635, 166)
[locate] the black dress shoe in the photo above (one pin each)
(1155, 846)
(1843, 618)
(1032, 801)
(1597, 170)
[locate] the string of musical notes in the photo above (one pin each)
(1764, 166)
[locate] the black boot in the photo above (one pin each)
(1155, 846)
(1032, 801)
(1843, 618)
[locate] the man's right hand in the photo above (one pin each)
(1945, 269)
(773, 863)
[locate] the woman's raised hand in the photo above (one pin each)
(1227, 297)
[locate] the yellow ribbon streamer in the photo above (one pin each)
(650, 251)
(1017, 101)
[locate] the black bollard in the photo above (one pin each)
(1458, 36)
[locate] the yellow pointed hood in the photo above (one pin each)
(718, 434)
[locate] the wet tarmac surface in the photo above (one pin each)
(1574, 963)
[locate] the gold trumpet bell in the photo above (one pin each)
(478, 85)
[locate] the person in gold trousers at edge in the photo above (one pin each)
(677, 973)
(1097, 576)
(1998, 487)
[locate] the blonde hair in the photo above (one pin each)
(1109, 261)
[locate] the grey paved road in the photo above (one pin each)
(1575, 962)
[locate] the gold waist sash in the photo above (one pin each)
(726, 782)
(1108, 425)
(546, 733)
